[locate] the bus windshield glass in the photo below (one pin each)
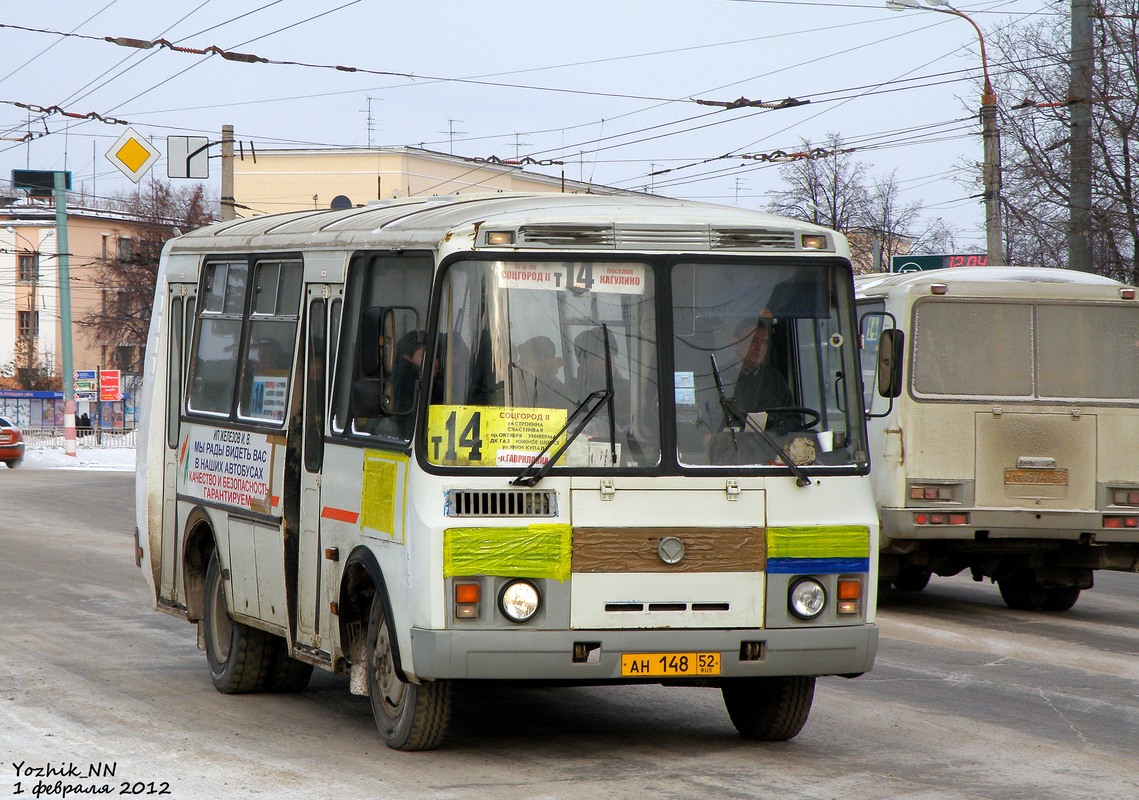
(522, 344)
(785, 362)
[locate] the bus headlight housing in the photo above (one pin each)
(806, 598)
(519, 601)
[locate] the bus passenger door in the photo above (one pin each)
(310, 555)
(180, 313)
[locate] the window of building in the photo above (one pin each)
(27, 267)
(29, 324)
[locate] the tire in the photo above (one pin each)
(409, 716)
(286, 675)
(13, 463)
(769, 709)
(912, 579)
(1021, 591)
(239, 656)
(1060, 599)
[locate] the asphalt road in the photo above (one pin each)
(968, 699)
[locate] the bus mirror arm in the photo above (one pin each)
(801, 477)
(587, 409)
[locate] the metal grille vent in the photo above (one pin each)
(567, 235)
(754, 239)
(501, 503)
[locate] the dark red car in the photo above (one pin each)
(11, 444)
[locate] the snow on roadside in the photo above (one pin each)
(110, 460)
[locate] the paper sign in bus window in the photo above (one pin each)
(491, 436)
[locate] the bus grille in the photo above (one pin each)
(656, 237)
(499, 503)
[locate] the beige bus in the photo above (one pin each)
(1006, 441)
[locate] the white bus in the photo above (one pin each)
(1008, 448)
(433, 440)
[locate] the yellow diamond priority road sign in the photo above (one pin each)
(133, 155)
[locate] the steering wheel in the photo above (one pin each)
(808, 418)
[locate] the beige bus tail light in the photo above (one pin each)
(958, 518)
(1125, 497)
(1120, 521)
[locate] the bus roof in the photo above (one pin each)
(987, 281)
(550, 220)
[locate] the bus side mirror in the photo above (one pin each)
(377, 342)
(890, 358)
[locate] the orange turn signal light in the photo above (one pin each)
(849, 590)
(466, 593)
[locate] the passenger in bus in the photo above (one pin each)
(405, 378)
(536, 382)
(759, 385)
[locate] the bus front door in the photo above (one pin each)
(310, 557)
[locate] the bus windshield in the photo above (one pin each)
(779, 387)
(521, 345)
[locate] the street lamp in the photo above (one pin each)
(991, 135)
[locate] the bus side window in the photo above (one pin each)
(377, 281)
(271, 342)
(214, 365)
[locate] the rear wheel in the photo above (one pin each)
(1060, 599)
(410, 716)
(286, 674)
(239, 656)
(912, 579)
(1020, 590)
(769, 709)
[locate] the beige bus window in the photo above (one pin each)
(972, 349)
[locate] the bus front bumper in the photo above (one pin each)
(549, 655)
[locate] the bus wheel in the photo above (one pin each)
(410, 716)
(287, 674)
(912, 579)
(1060, 599)
(769, 709)
(1021, 591)
(239, 656)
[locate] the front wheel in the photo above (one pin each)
(912, 579)
(239, 656)
(769, 709)
(410, 716)
(1021, 591)
(1060, 599)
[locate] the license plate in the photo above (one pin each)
(1036, 477)
(669, 665)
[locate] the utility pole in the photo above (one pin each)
(990, 133)
(228, 211)
(1080, 139)
(63, 264)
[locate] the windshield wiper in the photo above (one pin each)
(587, 409)
(801, 478)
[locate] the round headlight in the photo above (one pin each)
(807, 598)
(519, 601)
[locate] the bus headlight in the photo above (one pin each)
(519, 601)
(807, 598)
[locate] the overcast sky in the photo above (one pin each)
(606, 87)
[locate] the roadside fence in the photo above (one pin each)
(86, 438)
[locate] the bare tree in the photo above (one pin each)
(127, 279)
(833, 189)
(1036, 67)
